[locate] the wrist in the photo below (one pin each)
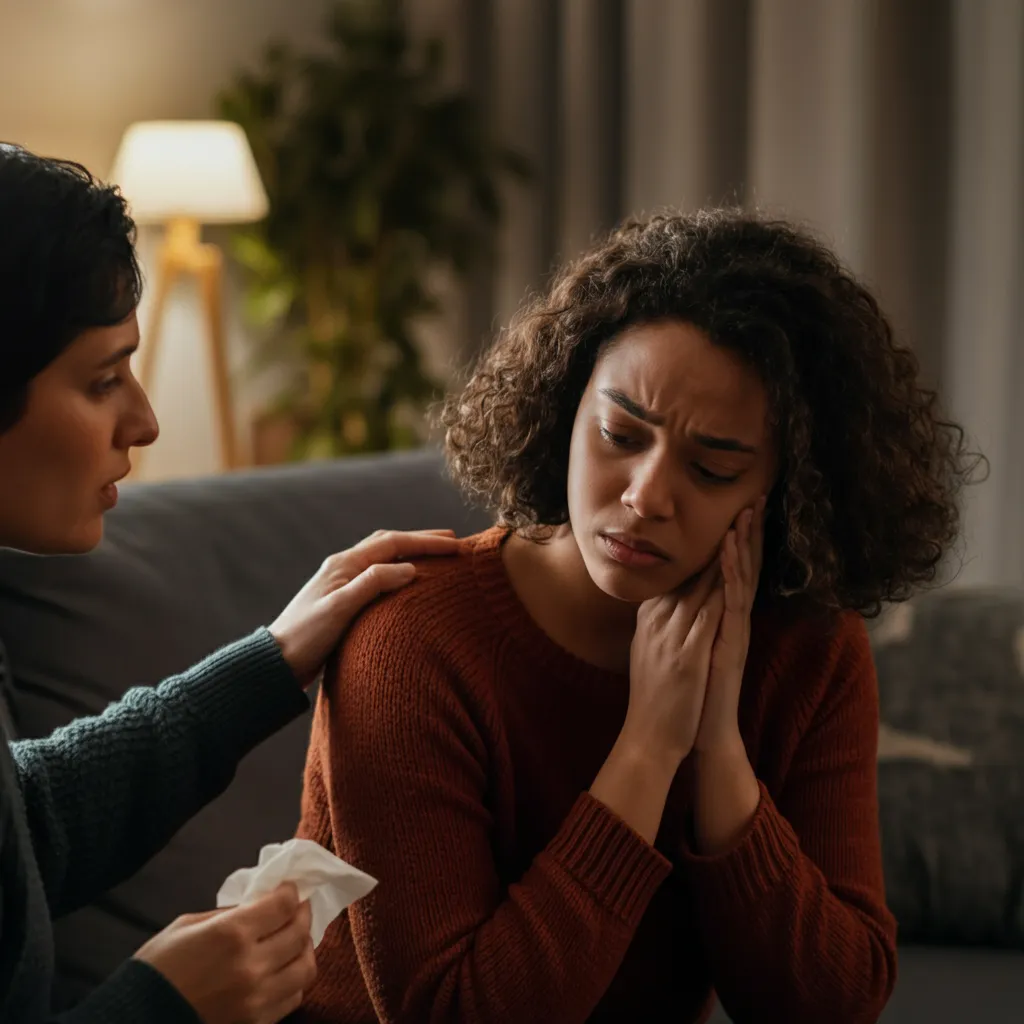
(303, 676)
(646, 755)
(634, 783)
(723, 754)
(646, 759)
(726, 797)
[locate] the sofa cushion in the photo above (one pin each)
(949, 986)
(184, 568)
(953, 986)
(951, 766)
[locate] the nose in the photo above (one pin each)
(649, 494)
(138, 427)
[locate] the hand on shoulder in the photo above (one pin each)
(313, 623)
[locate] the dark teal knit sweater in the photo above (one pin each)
(86, 807)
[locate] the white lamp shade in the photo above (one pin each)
(202, 170)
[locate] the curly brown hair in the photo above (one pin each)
(866, 501)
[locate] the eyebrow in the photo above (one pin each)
(635, 409)
(121, 353)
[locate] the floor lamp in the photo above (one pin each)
(183, 174)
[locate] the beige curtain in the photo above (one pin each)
(895, 127)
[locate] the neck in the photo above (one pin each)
(552, 580)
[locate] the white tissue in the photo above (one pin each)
(326, 881)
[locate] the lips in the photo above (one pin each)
(108, 492)
(637, 544)
(633, 552)
(117, 479)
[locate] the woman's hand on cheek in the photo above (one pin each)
(668, 675)
(741, 557)
(686, 667)
(670, 660)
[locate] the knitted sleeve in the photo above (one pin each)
(104, 794)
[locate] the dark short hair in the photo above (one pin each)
(67, 263)
(866, 503)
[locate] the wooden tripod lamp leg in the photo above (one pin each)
(167, 275)
(183, 253)
(210, 289)
(166, 278)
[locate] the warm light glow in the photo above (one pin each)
(201, 170)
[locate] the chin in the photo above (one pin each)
(76, 542)
(634, 586)
(49, 538)
(88, 540)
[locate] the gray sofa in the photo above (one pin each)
(186, 566)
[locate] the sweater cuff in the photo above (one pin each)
(615, 864)
(134, 994)
(246, 691)
(767, 852)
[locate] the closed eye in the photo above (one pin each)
(105, 386)
(713, 478)
(619, 440)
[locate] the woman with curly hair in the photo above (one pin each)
(620, 753)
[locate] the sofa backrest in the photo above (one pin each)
(185, 567)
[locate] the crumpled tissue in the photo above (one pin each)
(328, 882)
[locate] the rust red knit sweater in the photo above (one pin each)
(452, 750)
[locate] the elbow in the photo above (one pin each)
(863, 1001)
(856, 994)
(881, 981)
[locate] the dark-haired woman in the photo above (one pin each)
(619, 754)
(83, 809)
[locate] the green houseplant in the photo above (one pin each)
(376, 175)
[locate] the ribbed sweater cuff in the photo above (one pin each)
(609, 859)
(245, 691)
(134, 994)
(765, 854)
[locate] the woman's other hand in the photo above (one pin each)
(726, 793)
(670, 660)
(311, 626)
(741, 556)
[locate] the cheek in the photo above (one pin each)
(81, 442)
(576, 480)
(57, 462)
(704, 518)
(595, 478)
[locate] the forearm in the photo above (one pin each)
(819, 954)
(105, 793)
(135, 994)
(726, 797)
(790, 896)
(634, 783)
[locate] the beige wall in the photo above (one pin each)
(75, 73)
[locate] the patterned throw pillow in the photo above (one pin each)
(951, 765)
